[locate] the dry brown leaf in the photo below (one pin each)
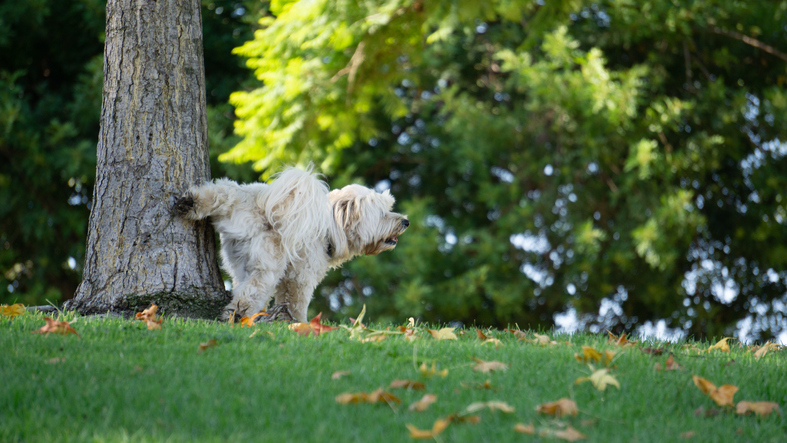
(382, 396)
(374, 338)
(669, 365)
(492, 405)
(722, 395)
(428, 372)
(489, 366)
(701, 411)
(517, 333)
(149, 317)
(525, 429)
(653, 351)
(721, 345)
(485, 385)
(407, 333)
(339, 374)
(313, 327)
(569, 434)
(443, 334)
(209, 344)
(12, 311)
(761, 408)
(687, 434)
(407, 384)
(764, 349)
(460, 418)
(362, 397)
(55, 360)
(542, 340)
(559, 408)
(422, 404)
(55, 327)
(620, 341)
(437, 428)
(481, 335)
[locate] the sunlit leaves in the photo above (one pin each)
(56, 327)
(761, 408)
(313, 327)
(721, 345)
(12, 311)
(149, 317)
(721, 395)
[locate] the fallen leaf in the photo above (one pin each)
(149, 317)
(722, 395)
(409, 334)
(669, 365)
(12, 311)
(461, 418)
(489, 366)
(525, 429)
(438, 427)
(687, 434)
(542, 340)
(517, 333)
(721, 345)
(492, 405)
(422, 404)
(209, 344)
(250, 321)
(313, 327)
(407, 384)
(588, 354)
(339, 374)
(569, 434)
(376, 396)
(485, 385)
(761, 408)
(620, 341)
(428, 372)
(600, 379)
(55, 360)
(492, 341)
(701, 411)
(764, 349)
(56, 327)
(443, 334)
(653, 351)
(559, 408)
(481, 335)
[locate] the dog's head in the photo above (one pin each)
(366, 219)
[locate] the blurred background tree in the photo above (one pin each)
(617, 161)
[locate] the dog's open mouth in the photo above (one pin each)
(391, 241)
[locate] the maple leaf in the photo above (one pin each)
(443, 334)
(428, 372)
(761, 408)
(669, 365)
(422, 404)
(721, 345)
(620, 341)
(339, 374)
(437, 428)
(149, 317)
(407, 384)
(559, 408)
(313, 327)
(589, 353)
(12, 311)
(525, 429)
(56, 327)
(722, 395)
(250, 321)
(600, 379)
(209, 344)
(492, 405)
(489, 366)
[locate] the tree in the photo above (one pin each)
(152, 146)
(620, 159)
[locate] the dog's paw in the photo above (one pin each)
(184, 205)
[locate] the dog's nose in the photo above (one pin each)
(405, 223)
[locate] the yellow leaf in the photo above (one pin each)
(588, 354)
(722, 395)
(443, 334)
(721, 345)
(559, 408)
(437, 428)
(620, 341)
(422, 404)
(489, 366)
(600, 379)
(12, 311)
(761, 408)
(428, 372)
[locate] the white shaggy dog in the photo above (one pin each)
(280, 239)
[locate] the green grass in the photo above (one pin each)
(122, 382)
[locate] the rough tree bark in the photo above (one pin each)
(152, 146)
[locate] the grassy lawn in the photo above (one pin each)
(119, 381)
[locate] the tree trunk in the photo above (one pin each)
(152, 146)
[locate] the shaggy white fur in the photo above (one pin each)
(280, 239)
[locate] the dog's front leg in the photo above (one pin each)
(253, 294)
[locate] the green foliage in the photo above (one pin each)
(550, 156)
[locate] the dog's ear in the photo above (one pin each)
(346, 212)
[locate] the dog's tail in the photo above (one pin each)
(296, 205)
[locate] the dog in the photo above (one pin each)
(280, 239)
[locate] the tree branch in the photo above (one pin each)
(752, 42)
